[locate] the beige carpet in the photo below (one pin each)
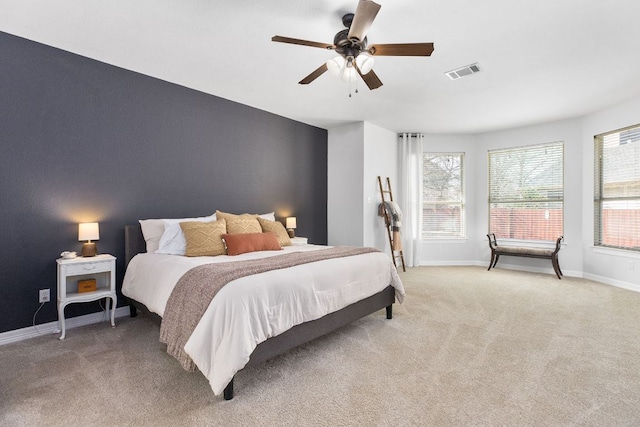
(468, 347)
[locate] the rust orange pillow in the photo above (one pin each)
(250, 242)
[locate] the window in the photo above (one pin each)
(617, 189)
(443, 195)
(526, 192)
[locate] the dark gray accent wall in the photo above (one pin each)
(85, 141)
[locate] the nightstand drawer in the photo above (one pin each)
(88, 268)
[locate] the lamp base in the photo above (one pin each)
(89, 249)
(291, 232)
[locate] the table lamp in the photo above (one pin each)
(291, 226)
(88, 231)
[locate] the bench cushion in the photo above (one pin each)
(518, 250)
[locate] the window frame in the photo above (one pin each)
(522, 199)
(599, 197)
(461, 204)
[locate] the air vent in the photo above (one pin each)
(463, 71)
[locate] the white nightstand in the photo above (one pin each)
(102, 268)
(298, 241)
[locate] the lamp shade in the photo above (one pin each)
(291, 222)
(88, 231)
(335, 65)
(364, 62)
(349, 74)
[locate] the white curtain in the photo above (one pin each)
(411, 196)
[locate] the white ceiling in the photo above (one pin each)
(541, 60)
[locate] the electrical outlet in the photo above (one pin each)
(45, 295)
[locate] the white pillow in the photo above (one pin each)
(172, 241)
(271, 216)
(152, 230)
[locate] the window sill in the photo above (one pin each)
(615, 252)
(445, 240)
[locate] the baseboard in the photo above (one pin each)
(501, 265)
(52, 327)
(569, 273)
(612, 282)
(450, 263)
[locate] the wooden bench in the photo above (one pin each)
(523, 251)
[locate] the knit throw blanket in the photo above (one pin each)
(196, 288)
(392, 210)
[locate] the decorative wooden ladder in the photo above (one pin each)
(394, 244)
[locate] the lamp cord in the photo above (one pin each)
(104, 310)
(55, 331)
(34, 318)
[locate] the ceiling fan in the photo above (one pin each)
(355, 56)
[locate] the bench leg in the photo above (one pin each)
(558, 264)
(494, 260)
(556, 267)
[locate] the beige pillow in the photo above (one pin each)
(240, 224)
(277, 228)
(204, 238)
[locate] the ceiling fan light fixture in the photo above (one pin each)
(335, 65)
(352, 45)
(364, 61)
(349, 74)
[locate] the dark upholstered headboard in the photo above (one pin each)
(134, 243)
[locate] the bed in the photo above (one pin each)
(141, 264)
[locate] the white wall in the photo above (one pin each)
(380, 159)
(345, 168)
(357, 154)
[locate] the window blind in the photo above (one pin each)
(617, 189)
(443, 196)
(526, 192)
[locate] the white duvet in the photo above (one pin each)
(249, 310)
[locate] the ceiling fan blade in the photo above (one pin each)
(371, 79)
(314, 75)
(301, 42)
(403, 49)
(365, 14)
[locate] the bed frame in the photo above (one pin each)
(298, 335)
